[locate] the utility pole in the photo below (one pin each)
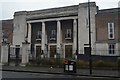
(90, 60)
(77, 43)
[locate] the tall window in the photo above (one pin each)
(111, 30)
(111, 48)
(68, 34)
(39, 35)
(53, 35)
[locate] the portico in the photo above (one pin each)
(46, 44)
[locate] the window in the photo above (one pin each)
(111, 48)
(4, 36)
(111, 30)
(53, 35)
(39, 35)
(68, 34)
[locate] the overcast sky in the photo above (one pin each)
(8, 7)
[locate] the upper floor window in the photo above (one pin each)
(53, 35)
(38, 35)
(111, 30)
(68, 34)
(111, 48)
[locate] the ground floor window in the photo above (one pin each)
(111, 48)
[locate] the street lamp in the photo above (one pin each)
(77, 43)
(90, 60)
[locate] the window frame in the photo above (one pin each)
(53, 35)
(68, 31)
(111, 48)
(111, 30)
(39, 33)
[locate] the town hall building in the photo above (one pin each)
(64, 33)
(53, 32)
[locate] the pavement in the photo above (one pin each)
(52, 70)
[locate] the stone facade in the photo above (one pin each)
(62, 22)
(53, 33)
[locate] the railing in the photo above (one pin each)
(53, 37)
(68, 36)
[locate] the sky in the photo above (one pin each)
(8, 7)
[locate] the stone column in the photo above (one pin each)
(25, 53)
(4, 53)
(43, 37)
(58, 38)
(74, 37)
(29, 37)
(29, 32)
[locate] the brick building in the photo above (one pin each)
(108, 32)
(6, 32)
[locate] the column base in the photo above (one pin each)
(0, 64)
(76, 56)
(55, 56)
(3, 64)
(23, 64)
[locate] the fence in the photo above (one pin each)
(102, 61)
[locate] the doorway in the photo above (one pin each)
(38, 52)
(17, 52)
(68, 51)
(52, 51)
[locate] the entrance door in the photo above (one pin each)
(38, 51)
(52, 51)
(17, 52)
(87, 51)
(68, 51)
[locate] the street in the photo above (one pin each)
(61, 70)
(8, 75)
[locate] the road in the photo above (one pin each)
(7, 75)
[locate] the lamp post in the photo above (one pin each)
(90, 60)
(8, 53)
(77, 43)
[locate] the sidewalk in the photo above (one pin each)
(52, 70)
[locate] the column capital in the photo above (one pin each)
(75, 18)
(75, 21)
(43, 23)
(58, 21)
